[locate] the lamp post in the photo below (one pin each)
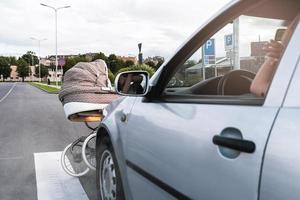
(55, 10)
(39, 43)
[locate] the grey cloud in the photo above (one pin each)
(111, 26)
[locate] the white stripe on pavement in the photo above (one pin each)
(6, 95)
(52, 182)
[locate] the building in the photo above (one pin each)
(14, 76)
(128, 58)
(257, 49)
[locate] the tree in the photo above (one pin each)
(159, 63)
(155, 61)
(22, 68)
(44, 71)
(142, 67)
(190, 63)
(70, 62)
(30, 58)
(4, 67)
(128, 63)
(12, 60)
(100, 56)
(114, 63)
(111, 76)
(150, 63)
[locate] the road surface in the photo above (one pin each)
(31, 121)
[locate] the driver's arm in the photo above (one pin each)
(127, 83)
(263, 78)
(274, 50)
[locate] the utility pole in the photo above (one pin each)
(39, 43)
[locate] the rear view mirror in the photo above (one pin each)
(133, 83)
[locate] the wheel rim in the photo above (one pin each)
(89, 151)
(108, 184)
(66, 164)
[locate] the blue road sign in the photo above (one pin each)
(209, 47)
(228, 39)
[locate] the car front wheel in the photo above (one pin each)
(109, 184)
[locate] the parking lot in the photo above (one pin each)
(33, 129)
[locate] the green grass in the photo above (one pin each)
(45, 87)
(52, 83)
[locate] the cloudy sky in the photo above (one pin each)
(109, 26)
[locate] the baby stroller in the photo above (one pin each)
(85, 93)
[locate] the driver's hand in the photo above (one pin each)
(273, 50)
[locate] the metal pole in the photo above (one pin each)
(39, 56)
(216, 70)
(55, 10)
(203, 64)
(56, 63)
(40, 78)
(236, 57)
(32, 63)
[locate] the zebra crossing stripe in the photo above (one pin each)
(52, 182)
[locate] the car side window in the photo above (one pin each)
(238, 61)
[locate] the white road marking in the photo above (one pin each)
(52, 182)
(12, 158)
(6, 95)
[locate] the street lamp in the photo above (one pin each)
(55, 10)
(39, 42)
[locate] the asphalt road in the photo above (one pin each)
(32, 121)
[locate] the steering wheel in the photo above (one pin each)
(236, 82)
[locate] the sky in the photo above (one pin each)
(109, 26)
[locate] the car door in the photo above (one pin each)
(188, 144)
(170, 150)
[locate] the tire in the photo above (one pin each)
(78, 163)
(109, 182)
(88, 151)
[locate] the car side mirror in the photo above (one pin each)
(132, 83)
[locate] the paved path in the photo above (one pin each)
(31, 121)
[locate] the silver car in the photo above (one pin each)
(195, 129)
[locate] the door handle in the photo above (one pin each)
(236, 144)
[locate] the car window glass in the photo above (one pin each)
(227, 63)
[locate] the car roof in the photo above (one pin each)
(281, 9)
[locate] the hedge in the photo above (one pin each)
(142, 67)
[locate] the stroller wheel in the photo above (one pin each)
(72, 162)
(89, 151)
